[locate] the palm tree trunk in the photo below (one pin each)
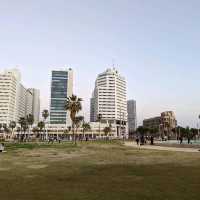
(83, 134)
(73, 137)
(12, 136)
(76, 134)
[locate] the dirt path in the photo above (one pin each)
(176, 149)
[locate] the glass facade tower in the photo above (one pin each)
(61, 88)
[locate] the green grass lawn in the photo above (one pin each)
(96, 170)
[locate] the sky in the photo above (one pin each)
(154, 44)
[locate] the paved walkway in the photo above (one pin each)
(151, 147)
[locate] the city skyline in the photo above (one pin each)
(45, 102)
(146, 41)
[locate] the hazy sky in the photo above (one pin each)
(155, 44)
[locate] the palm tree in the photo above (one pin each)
(5, 128)
(73, 105)
(45, 115)
(30, 121)
(23, 124)
(107, 130)
(18, 131)
(86, 127)
(77, 123)
(12, 125)
(1, 126)
(41, 126)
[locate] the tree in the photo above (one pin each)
(22, 121)
(181, 131)
(73, 105)
(142, 130)
(12, 125)
(41, 126)
(86, 127)
(30, 121)
(18, 131)
(1, 126)
(23, 124)
(187, 132)
(78, 120)
(45, 115)
(153, 131)
(194, 132)
(107, 130)
(5, 128)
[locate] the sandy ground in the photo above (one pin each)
(161, 148)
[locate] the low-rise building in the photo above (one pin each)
(152, 123)
(165, 123)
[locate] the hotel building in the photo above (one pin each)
(109, 100)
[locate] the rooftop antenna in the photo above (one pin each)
(113, 63)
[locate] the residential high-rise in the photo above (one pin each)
(9, 87)
(132, 116)
(35, 104)
(61, 88)
(92, 108)
(109, 100)
(29, 102)
(15, 100)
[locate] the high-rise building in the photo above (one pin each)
(9, 88)
(35, 104)
(61, 88)
(29, 102)
(132, 116)
(15, 100)
(109, 100)
(92, 108)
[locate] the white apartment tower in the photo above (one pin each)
(15, 100)
(109, 100)
(9, 90)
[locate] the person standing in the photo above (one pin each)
(152, 140)
(2, 147)
(137, 140)
(181, 140)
